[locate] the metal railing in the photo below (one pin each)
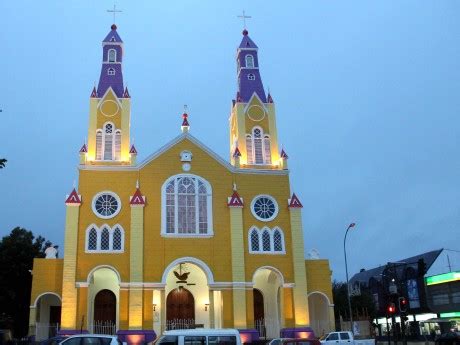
(45, 330)
(180, 324)
(268, 328)
(104, 327)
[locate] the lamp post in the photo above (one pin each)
(346, 271)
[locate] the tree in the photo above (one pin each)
(17, 252)
(2, 163)
(362, 304)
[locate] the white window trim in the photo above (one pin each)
(93, 202)
(251, 76)
(98, 249)
(271, 232)
(246, 61)
(109, 70)
(210, 232)
(108, 55)
(262, 137)
(275, 214)
(114, 131)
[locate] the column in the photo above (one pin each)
(211, 309)
(235, 204)
(32, 320)
(301, 314)
(137, 204)
(69, 291)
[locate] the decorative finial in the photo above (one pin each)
(234, 186)
(74, 184)
(114, 11)
(244, 16)
(137, 184)
(185, 125)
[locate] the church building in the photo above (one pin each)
(185, 238)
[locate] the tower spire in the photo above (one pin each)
(111, 71)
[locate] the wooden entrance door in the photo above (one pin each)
(180, 305)
(259, 313)
(105, 307)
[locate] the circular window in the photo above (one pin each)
(106, 205)
(264, 208)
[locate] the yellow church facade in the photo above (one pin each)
(185, 238)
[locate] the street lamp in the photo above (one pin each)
(346, 271)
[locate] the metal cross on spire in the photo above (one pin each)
(114, 11)
(244, 16)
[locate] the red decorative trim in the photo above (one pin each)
(133, 150)
(185, 121)
(84, 149)
(137, 199)
(237, 153)
(284, 154)
(73, 198)
(294, 202)
(235, 200)
(126, 93)
(94, 93)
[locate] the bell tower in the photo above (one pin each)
(110, 110)
(253, 134)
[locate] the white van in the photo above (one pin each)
(200, 336)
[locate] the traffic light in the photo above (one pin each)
(402, 304)
(421, 267)
(391, 309)
(404, 318)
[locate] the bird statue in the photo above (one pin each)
(182, 277)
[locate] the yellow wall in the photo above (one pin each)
(47, 277)
(319, 277)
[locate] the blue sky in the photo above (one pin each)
(367, 97)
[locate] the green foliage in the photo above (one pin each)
(2, 163)
(363, 306)
(17, 252)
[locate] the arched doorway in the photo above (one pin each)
(105, 312)
(267, 310)
(47, 315)
(319, 309)
(259, 312)
(180, 309)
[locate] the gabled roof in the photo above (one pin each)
(363, 277)
(113, 36)
(246, 42)
(235, 200)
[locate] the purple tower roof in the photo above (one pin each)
(112, 58)
(249, 80)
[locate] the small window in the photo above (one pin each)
(92, 240)
(249, 61)
(72, 341)
(344, 336)
(333, 336)
(111, 71)
(112, 55)
(90, 341)
(222, 340)
(167, 340)
(251, 76)
(255, 247)
(266, 245)
(105, 239)
(194, 340)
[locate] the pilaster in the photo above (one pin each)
(235, 204)
(136, 302)
(92, 127)
(125, 128)
(69, 291)
(301, 313)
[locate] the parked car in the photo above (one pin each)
(344, 338)
(200, 336)
(291, 341)
(53, 341)
(91, 339)
(449, 338)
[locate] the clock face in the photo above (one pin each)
(186, 166)
(109, 108)
(256, 113)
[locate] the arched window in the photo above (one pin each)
(108, 141)
(112, 55)
(249, 61)
(266, 241)
(105, 239)
(117, 145)
(117, 239)
(267, 150)
(187, 206)
(249, 149)
(92, 239)
(110, 71)
(278, 243)
(99, 145)
(254, 240)
(251, 76)
(258, 147)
